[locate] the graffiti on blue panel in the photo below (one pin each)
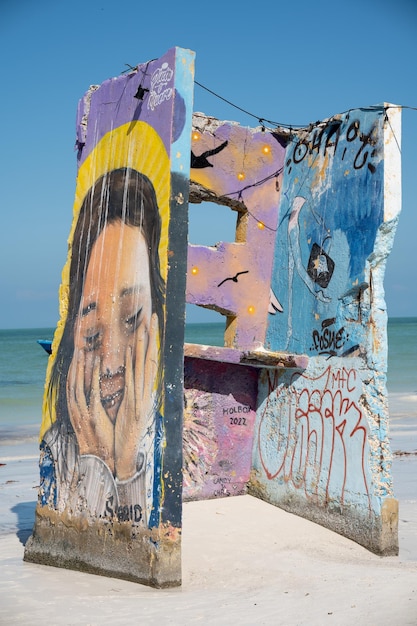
(330, 211)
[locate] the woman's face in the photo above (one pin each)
(115, 307)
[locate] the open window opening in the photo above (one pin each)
(204, 326)
(209, 223)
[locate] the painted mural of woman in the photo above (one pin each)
(102, 454)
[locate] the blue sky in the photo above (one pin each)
(292, 62)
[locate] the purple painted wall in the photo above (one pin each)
(245, 166)
(219, 418)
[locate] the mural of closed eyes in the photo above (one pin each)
(201, 161)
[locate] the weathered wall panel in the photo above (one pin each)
(219, 418)
(332, 206)
(294, 407)
(111, 454)
(320, 208)
(322, 446)
(241, 168)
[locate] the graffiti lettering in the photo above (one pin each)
(161, 76)
(343, 379)
(319, 443)
(323, 139)
(126, 513)
(223, 492)
(238, 421)
(329, 341)
(218, 480)
(236, 409)
(155, 99)
(159, 89)
(369, 139)
(300, 151)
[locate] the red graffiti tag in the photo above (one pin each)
(312, 434)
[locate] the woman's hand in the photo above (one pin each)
(136, 410)
(92, 426)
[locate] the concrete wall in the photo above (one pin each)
(303, 282)
(293, 408)
(110, 497)
(242, 168)
(219, 420)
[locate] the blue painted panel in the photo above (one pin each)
(330, 211)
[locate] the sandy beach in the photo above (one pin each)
(244, 561)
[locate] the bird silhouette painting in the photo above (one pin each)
(233, 278)
(199, 162)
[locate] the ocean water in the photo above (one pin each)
(23, 366)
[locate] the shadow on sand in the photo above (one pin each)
(25, 512)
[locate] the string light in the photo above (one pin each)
(258, 183)
(291, 127)
(194, 270)
(260, 119)
(251, 309)
(196, 136)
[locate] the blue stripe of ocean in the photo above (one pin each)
(23, 366)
